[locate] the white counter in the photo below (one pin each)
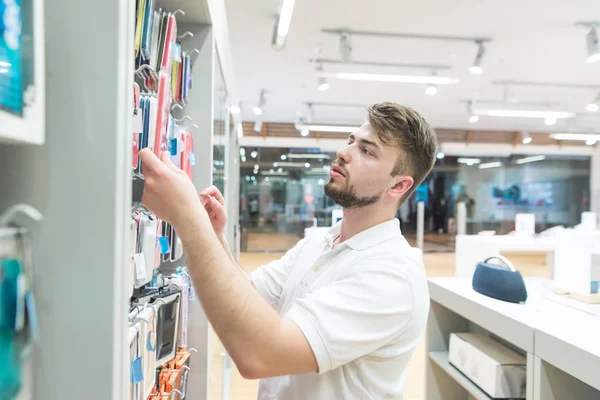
(561, 338)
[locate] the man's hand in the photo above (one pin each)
(169, 193)
(213, 202)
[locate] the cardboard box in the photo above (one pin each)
(496, 369)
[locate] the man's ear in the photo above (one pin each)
(401, 185)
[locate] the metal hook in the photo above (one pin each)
(178, 11)
(190, 126)
(159, 301)
(192, 350)
(194, 51)
(139, 207)
(175, 391)
(149, 68)
(188, 33)
(174, 106)
(9, 216)
(183, 119)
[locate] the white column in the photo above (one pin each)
(461, 218)
(595, 182)
(420, 224)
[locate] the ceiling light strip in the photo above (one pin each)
(422, 79)
(583, 137)
(490, 165)
(530, 159)
(524, 113)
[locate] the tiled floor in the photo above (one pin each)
(436, 264)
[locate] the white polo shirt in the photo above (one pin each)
(362, 306)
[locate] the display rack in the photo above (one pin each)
(81, 180)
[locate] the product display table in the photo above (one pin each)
(471, 249)
(559, 337)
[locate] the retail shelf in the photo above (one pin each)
(441, 359)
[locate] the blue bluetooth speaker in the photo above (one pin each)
(500, 281)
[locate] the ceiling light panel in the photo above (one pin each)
(367, 77)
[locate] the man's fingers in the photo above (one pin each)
(150, 162)
(215, 205)
(214, 192)
(166, 158)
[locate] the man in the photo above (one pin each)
(338, 317)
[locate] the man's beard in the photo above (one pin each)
(347, 197)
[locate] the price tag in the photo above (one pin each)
(163, 242)
(177, 52)
(137, 375)
(32, 318)
(138, 123)
(139, 261)
(173, 146)
(193, 159)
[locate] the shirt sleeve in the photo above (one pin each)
(270, 279)
(354, 316)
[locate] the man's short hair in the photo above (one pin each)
(404, 128)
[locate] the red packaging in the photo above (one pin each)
(164, 107)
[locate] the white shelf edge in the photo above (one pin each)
(441, 359)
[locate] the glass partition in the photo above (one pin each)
(282, 193)
(220, 140)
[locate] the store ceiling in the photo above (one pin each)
(532, 41)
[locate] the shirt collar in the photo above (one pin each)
(367, 238)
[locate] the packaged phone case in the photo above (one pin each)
(143, 141)
(187, 78)
(187, 153)
(136, 134)
(155, 39)
(146, 42)
(162, 33)
(139, 24)
(177, 146)
(153, 105)
(170, 38)
(163, 112)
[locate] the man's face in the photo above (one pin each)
(361, 174)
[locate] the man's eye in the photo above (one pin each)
(365, 151)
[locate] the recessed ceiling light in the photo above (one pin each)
(431, 90)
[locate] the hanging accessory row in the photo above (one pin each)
(19, 327)
(158, 337)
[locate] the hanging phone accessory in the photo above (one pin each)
(146, 44)
(170, 38)
(177, 75)
(147, 324)
(155, 39)
(187, 77)
(164, 110)
(139, 26)
(180, 280)
(19, 327)
(176, 147)
(153, 106)
(135, 362)
(138, 125)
